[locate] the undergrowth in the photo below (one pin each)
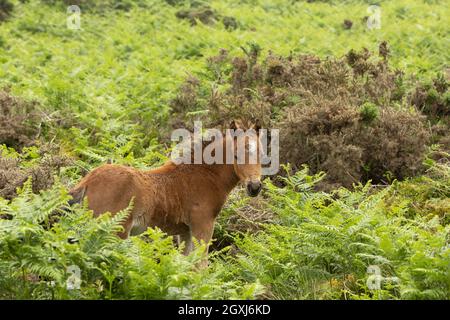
(324, 245)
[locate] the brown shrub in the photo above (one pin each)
(230, 23)
(206, 15)
(6, 7)
(15, 171)
(19, 121)
(336, 140)
(433, 99)
(221, 106)
(347, 24)
(253, 216)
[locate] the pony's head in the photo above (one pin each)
(247, 155)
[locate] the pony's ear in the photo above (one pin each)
(257, 125)
(235, 125)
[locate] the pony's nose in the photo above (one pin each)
(253, 188)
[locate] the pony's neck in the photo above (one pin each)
(226, 175)
(224, 171)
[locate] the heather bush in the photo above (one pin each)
(40, 164)
(337, 140)
(20, 122)
(6, 7)
(433, 99)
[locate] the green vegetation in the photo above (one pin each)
(320, 245)
(371, 124)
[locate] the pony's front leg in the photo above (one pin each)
(202, 231)
(187, 239)
(127, 225)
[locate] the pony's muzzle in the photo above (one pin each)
(253, 188)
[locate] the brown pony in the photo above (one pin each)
(182, 199)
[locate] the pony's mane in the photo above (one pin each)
(190, 147)
(206, 142)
